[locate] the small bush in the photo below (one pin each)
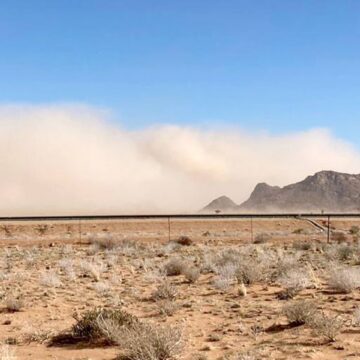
(102, 288)
(294, 281)
(262, 238)
(356, 317)
(191, 274)
(302, 245)
(175, 267)
(7, 230)
(298, 231)
(346, 252)
(50, 279)
(184, 240)
(88, 325)
(42, 229)
(167, 307)
(284, 265)
(105, 242)
(354, 230)
(338, 236)
(344, 280)
(326, 325)
(299, 312)
(91, 269)
(165, 291)
(150, 342)
(250, 272)
(246, 355)
(14, 303)
(222, 283)
(6, 353)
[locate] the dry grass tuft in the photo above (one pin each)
(175, 266)
(262, 238)
(149, 342)
(105, 242)
(326, 325)
(299, 312)
(165, 291)
(14, 303)
(6, 353)
(344, 280)
(88, 326)
(191, 274)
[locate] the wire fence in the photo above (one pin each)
(226, 228)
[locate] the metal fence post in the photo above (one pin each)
(251, 229)
(328, 232)
(169, 228)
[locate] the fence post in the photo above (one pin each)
(251, 229)
(328, 232)
(169, 228)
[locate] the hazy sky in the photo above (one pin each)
(128, 106)
(274, 65)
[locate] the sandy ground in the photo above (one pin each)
(45, 267)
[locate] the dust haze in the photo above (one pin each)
(77, 160)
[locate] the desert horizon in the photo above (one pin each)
(179, 180)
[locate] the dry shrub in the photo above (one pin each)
(105, 242)
(167, 307)
(299, 312)
(6, 353)
(184, 240)
(299, 231)
(338, 236)
(356, 317)
(131, 248)
(175, 266)
(91, 269)
(222, 283)
(344, 280)
(283, 265)
(14, 303)
(354, 230)
(346, 252)
(7, 230)
(102, 288)
(191, 274)
(149, 342)
(36, 334)
(165, 291)
(294, 281)
(50, 279)
(246, 355)
(327, 326)
(302, 245)
(42, 229)
(88, 326)
(213, 261)
(250, 271)
(262, 238)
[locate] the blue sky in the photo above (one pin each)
(277, 66)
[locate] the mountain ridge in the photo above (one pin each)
(326, 190)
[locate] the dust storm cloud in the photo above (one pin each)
(75, 160)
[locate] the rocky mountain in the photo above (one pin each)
(223, 204)
(327, 191)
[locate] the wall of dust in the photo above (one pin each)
(61, 159)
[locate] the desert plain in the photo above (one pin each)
(195, 289)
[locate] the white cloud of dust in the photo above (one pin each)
(74, 160)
